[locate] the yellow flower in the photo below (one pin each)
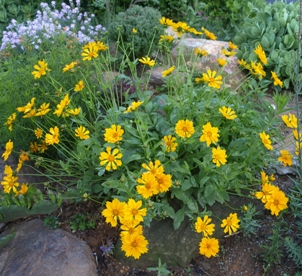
(276, 202)
(8, 149)
(168, 38)
(208, 34)
(149, 185)
(170, 143)
(62, 106)
(114, 211)
(286, 158)
(133, 211)
(298, 148)
(266, 191)
(204, 226)
(164, 182)
(38, 132)
(277, 81)
(243, 63)
(168, 72)
(133, 106)
(79, 86)
(8, 170)
(209, 247)
(261, 54)
(219, 156)
(228, 53)
(245, 208)
(184, 128)
(69, 66)
(27, 107)
(272, 178)
(264, 178)
(147, 61)
(75, 111)
(228, 113)
(52, 137)
(155, 168)
(290, 120)
(134, 245)
(82, 133)
(10, 121)
(210, 79)
(230, 224)
(23, 189)
(111, 159)
(232, 46)
(209, 134)
(43, 109)
(296, 135)
(134, 30)
(41, 69)
(200, 52)
(10, 183)
(33, 147)
(266, 140)
(257, 69)
(90, 51)
(130, 227)
(101, 46)
(166, 21)
(30, 114)
(113, 134)
(222, 62)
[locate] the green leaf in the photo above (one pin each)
(169, 210)
(210, 194)
(178, 219)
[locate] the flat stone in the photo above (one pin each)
(38, 250)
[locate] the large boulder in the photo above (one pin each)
(37, 250)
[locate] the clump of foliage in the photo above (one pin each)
(138, 28)
(81, 222)
(274, 28)
(51, 221)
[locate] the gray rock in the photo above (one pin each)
(38, 250)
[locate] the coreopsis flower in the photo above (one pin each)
(69, 66)
(10, 121)
(8, 149)
(155, 168)
(82, 133)
(33, 147)
(8, 170)
(130, 227)
(208, 34)
(147, 61)
(114, 211)
(209, 247)
(194, 31)
(232, 46)
(276, 202)
(111, 159)
(42, 147)
(90, 51)
(204, 226)
(290, 120)
(52, 137)
(168, 38)
(209, 134)
(133, 210)
(297, 136)
(114, 134)
(243, 63)
(245, 208)
(272, 178)
(210, 79)
(261, 54)
(228, 53)
(228, 113)
(170, 143)
(266, 191)
(168, 72)
(286, 158)
(298, 148)
(101, 46)
(43, 110)
(219, 156)
(257, 69)
(10, 183)
(75, 111)
(184, 128)
(134, 245)
(264, 178)
(230, 224)
(27, 107)
(134, 30)
(166, 21)
(30, 114)
(133, 106)
(148, 185)
(276, 80)
(41, 69)
(22, 158)
(38, 132)
(79, 86)
(222, 62)
(265, 138)
(61, 107)
(164, 182)
(200, 52)
(23, 189)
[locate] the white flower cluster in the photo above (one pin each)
(49, 23)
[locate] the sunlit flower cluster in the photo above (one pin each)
(10, 182)
(211, 79)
